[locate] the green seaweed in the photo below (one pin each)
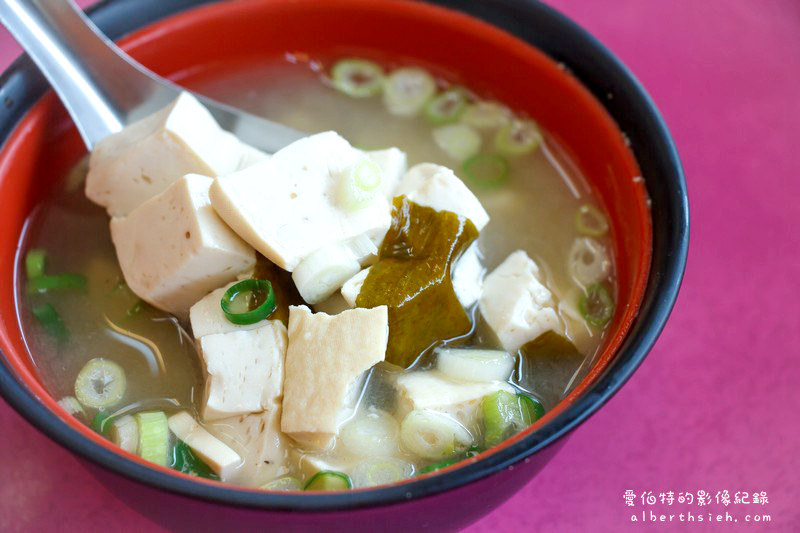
(412, 278)
(548, 364)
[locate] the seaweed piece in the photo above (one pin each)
(285, 291)
(412, 278)
(549, 364)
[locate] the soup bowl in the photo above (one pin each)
(522, 53)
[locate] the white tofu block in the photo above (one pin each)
(222, 459)
(515, 304)
(249, 156)
(131, 166)
(310, 464)
(207, 318)
(326, 355)
(352, 287)
(439, 188)
(394, 163)
(257, 438)
(173, 249)
(244, 370)
(288, 206)
(434, 391)
(467, 276)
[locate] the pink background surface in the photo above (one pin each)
(715, 405)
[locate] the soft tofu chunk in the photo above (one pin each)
(290, 205)
(439, 188)
(393, 162)
(434, 391)
(310, 464)
(207, 318)
(244, 370)
(257, 438)
(131, 166)
(467, 276)
(515, 304)
(326, 355)
(249, 156)
(173, 249)
(222, 459)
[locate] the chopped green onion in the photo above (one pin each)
(486, 170)
(283, 483)
(324, 271)
(597, 305)
(486, 115)
(44, 283)
(34, 263)
(124, 433)
(407, 89)
(51, 321)
(459, 141)
(248, 301)
(100, 383)
(358, 78)
(446, 107)
(153, 436)
(370, 433)
(588, 261)
(72, 406)
(530, 408)
(184, 460)
(381, 471)
(438, 466)
(329, 480)
(500, 410)
(590, 221)
(359, 184)
(433, 435)
(101, 423)
(518, 137)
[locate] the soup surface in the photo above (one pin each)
(533, 207)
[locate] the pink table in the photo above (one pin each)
(715, 406)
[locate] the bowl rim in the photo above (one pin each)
(601, 72)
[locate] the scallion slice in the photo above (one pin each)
(518, 137)
(500, 409)
(597, 305)
(72, 406)
(487, 171)
(446, 107)
(433, 435)
(407, 89)
(459, 141)
(124, 432)
(530, 408)
(45, 283)
(588, 261)
(51, 321)
(486, 115)
(357, 78)
(329, 480)
(100, 383)
(34, 262)
(590, 221)
(248, 301)
(359, 184)
(283, 483)
(153, 436)
(381, 471)
(101, 423)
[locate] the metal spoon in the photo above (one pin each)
(102, 87)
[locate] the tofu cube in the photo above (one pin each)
(290, 205)
(434, 391)
(326, 356)
(515, 304)
(394, 163)
(173, 249)
(467, 276)
(258, 440)
(244, 370)
(439, 188)
(221, 458)
(131, 166)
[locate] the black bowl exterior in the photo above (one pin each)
(465, 494)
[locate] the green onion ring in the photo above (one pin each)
(257, 287)
(486, 170)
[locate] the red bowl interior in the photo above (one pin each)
(206, 42)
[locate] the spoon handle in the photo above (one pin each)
(99, 86)
(102, 87)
